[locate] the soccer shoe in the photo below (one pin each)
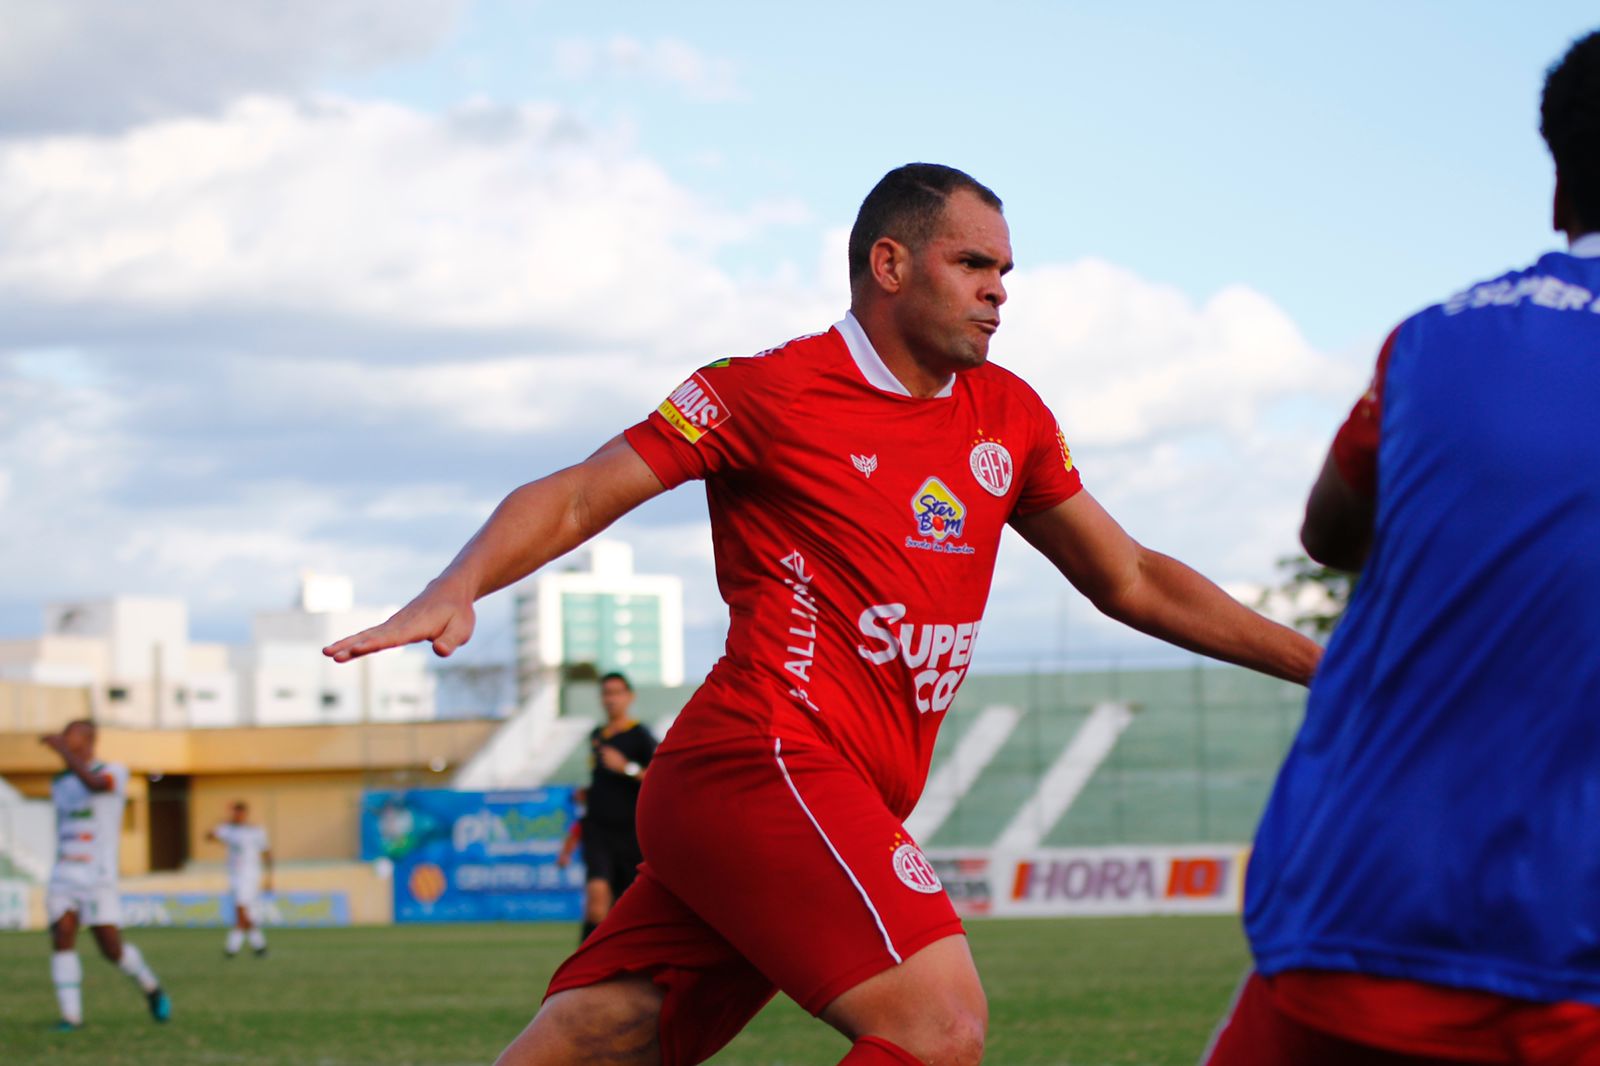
(64, 1026)
(160, 1005)
(261, 953)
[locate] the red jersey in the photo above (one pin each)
(855, 529)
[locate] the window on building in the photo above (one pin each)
(330, 699)
(116, 693)
(283, 694)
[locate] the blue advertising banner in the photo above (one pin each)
(475, 856)
(203, 909)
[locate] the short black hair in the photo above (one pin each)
(1569, 119)
(906, 206)
(614, 676)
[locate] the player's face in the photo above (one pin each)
(951, 304)
(80, 740)
(615, 698)
(240, 813)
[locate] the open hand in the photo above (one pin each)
(441, 615)
(612, 759)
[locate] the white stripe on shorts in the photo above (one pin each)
(777, 753)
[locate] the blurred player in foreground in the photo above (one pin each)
(89, 797)
(249, 875)
(859, 480)
(622, 752)
(1426, 881)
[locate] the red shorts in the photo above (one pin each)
(1311, 1018)
(768, 865)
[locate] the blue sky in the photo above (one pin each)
(1352, 161)
(313, 283)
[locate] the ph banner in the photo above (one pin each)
(475, 856)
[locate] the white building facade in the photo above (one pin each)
(606, 616)
(135, 657)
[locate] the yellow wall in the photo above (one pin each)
(34, 709)
(307, 816)
(304, 783)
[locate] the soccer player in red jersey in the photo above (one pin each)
(858, 480)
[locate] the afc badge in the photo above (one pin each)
(991, 465)
(915, 871)
(939, 513)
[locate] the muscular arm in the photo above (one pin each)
(1158, 595)
(1338, 528)
(538, 522)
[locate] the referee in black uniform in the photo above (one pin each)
(622, 753)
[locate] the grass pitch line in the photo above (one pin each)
(973, 752)
(1065, 779)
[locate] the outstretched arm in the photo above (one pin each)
(1158, 595)
(538, 522)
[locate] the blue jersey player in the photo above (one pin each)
(1426, 881)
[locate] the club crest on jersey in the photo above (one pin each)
(940, 514)
(915, 871)
(865, 464)
(694, 408)
(991, 465)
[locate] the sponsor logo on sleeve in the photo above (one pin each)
(1066, 452)
(991, 465)
(694, 408)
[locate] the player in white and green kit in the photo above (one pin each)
(248, 856)
(89, 797)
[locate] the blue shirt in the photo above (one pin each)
(1438, 817)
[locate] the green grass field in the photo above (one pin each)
(1081, 992)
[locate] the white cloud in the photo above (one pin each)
(489, 218)
(333, 333)
(666, 61)
(1122, 359)
(88, 64)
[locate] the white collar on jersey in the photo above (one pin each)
(871, 363)
(1587, 246)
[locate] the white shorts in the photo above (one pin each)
(249, 902)
(95, 904)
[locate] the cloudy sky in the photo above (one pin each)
(312, 283)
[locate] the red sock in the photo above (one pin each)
(876, 1051)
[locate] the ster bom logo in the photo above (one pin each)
(940, 514)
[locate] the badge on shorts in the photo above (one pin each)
(915, 871)
(991, 465)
